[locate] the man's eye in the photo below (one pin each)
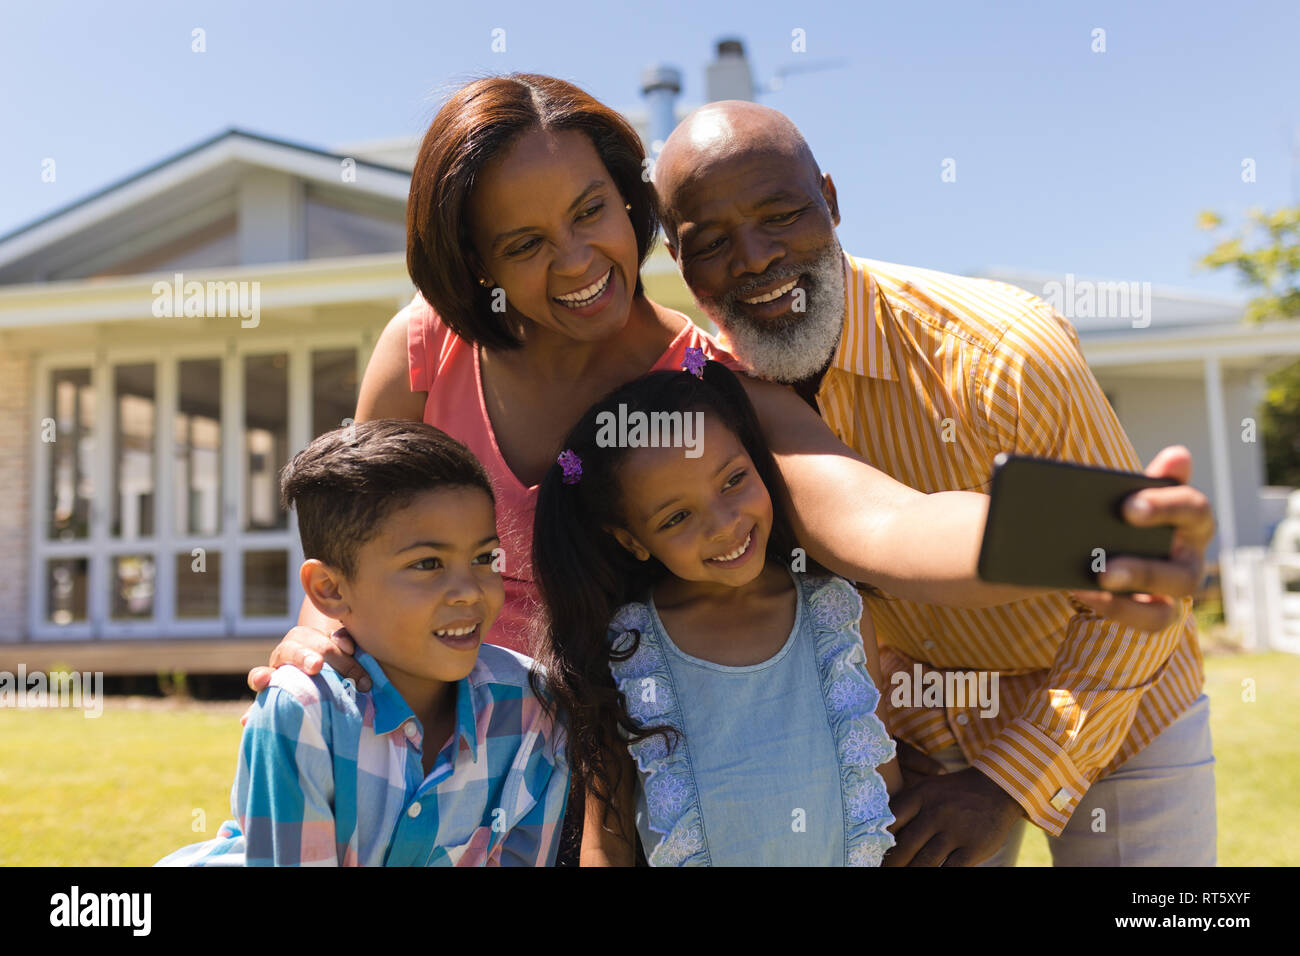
(786, 217)
(705, 250)
(427, 564)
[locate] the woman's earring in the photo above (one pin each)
(628, 207)
(485, 283)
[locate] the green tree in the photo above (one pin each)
(1266, 257)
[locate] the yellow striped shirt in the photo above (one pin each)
(933, 376)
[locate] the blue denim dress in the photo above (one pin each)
(776, 765)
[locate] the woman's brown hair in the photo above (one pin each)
(474, 126)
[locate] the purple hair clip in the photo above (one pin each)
(572, 466)
(694, 362)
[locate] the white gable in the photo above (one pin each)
(237, 199)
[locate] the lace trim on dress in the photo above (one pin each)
(860, 736)
(672, 801)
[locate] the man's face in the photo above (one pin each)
(757, 247)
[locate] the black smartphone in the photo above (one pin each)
(1053, 523)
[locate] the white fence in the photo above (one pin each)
(1257, 601)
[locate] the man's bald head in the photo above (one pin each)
(751, 222)
(721, 132)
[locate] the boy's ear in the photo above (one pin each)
(629, 543)
(323, 586)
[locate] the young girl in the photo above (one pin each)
(683, 633)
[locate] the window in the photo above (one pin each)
(144, 529)
(70, 448)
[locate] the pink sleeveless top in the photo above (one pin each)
(447, 367)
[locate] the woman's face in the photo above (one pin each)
(550, 229)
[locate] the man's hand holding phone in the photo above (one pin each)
(1170, 567)
(1161, 584)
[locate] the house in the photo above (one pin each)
(169, 342)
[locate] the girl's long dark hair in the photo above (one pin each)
(584, 575)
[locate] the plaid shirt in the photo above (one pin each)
(330, 776)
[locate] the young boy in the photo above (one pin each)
(449, 760)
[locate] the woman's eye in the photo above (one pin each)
(591, 210)
(526, 247)
(485, 558)
(427, 564)
(734, 480)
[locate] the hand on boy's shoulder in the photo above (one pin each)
(290, 689)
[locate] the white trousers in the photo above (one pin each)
(1157, 808)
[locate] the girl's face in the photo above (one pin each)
(707, 519)
(550, 229)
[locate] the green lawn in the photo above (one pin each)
(124, 788)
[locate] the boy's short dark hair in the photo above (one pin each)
(346, 482)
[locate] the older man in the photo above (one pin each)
(1101, 731)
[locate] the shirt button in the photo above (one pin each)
(414, 810)
(1061, 800)
(963, 719)
(409, 729)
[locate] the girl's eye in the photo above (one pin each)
(734, 479)
(676, 519)
(427, 564)
(591, 210)
(485, 558)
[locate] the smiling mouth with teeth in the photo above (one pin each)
(774, 294)
(589, 294)
(733, 555)
(457, 631)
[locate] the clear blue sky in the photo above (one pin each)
(1067, 160)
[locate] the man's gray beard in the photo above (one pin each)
(796, 346)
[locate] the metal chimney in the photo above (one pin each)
(660, 86)
(728, 76)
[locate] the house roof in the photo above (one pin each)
(209, 159)
(1089, 301)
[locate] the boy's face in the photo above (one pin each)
(424, 592)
